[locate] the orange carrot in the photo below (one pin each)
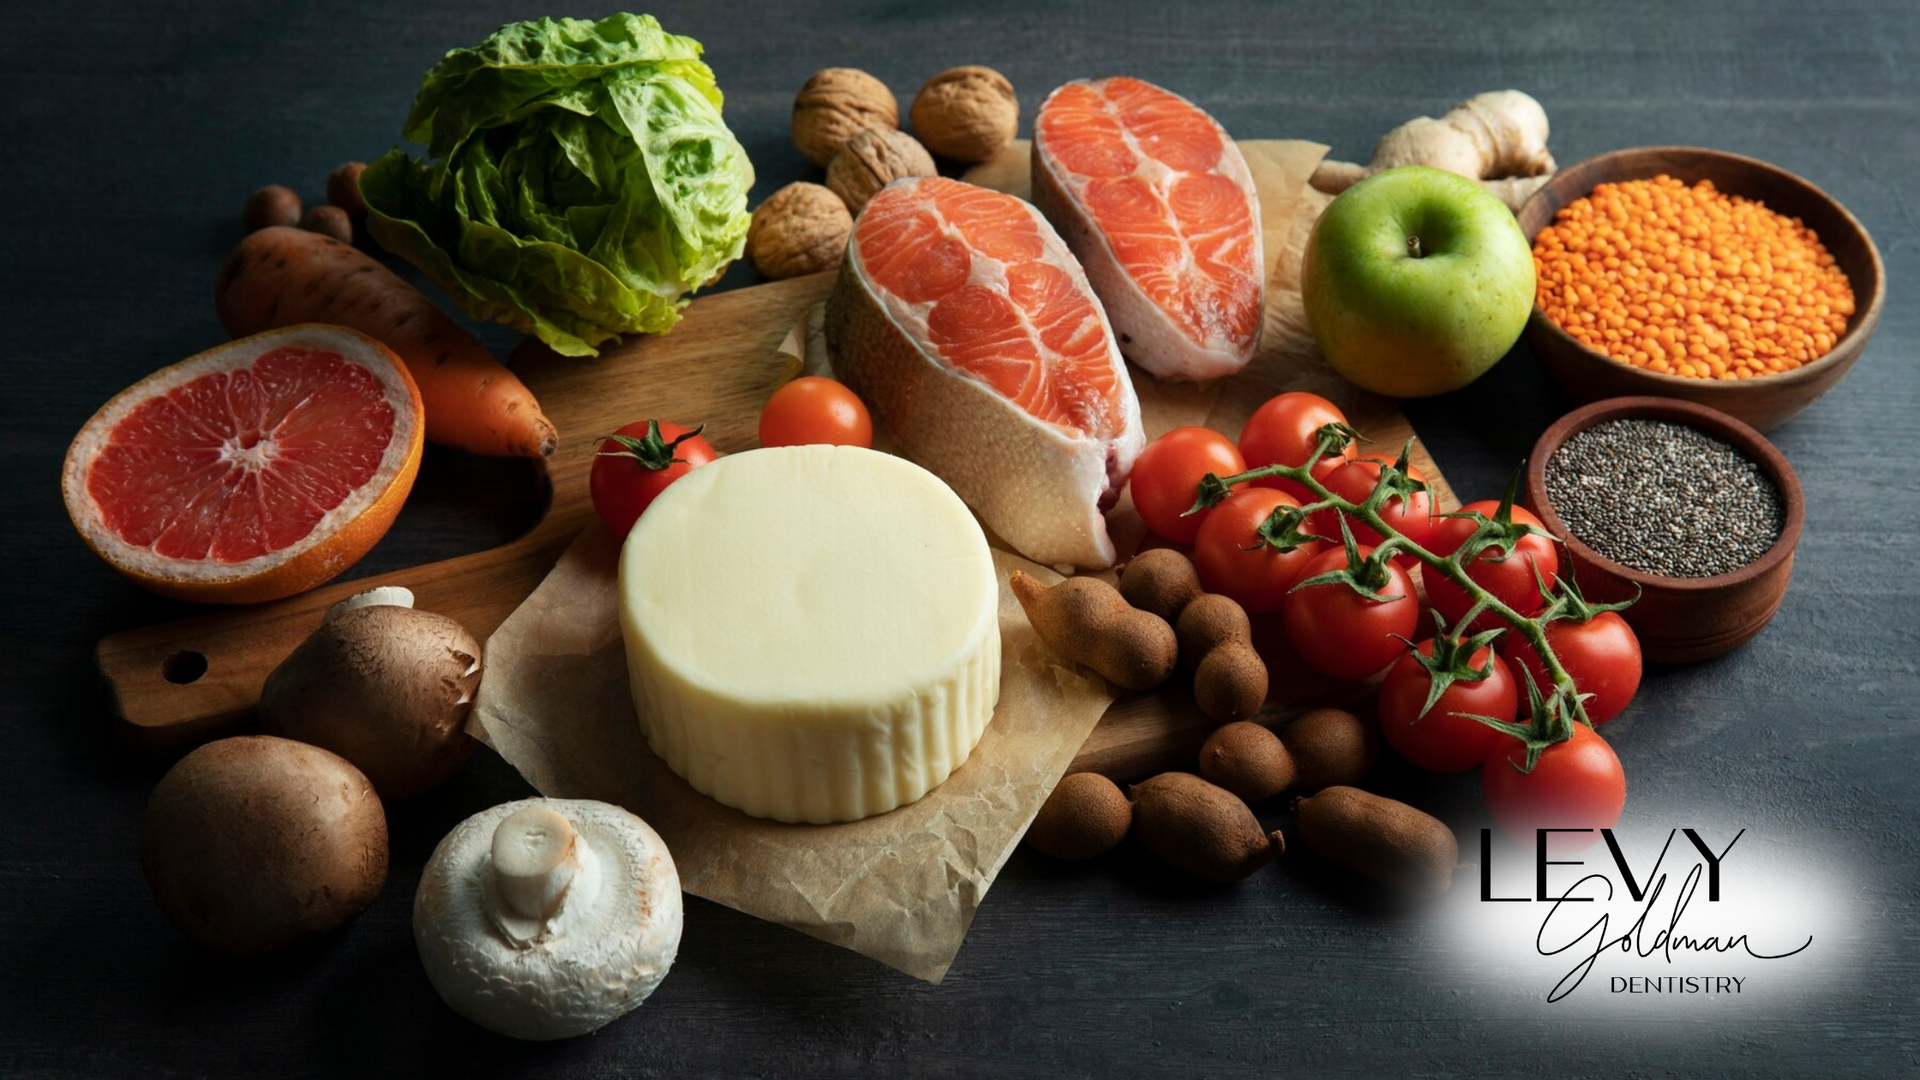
(280, 276)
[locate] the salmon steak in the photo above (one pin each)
(964, 322)
(1157, 203)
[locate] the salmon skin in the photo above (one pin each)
(1158, 204)
(964, 322)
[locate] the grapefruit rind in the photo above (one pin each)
(336, 541)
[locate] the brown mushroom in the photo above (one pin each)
(253, 843)
(384, 686)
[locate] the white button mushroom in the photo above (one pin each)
(384, 686)
(548, 918)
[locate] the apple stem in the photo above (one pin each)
(1413, 246)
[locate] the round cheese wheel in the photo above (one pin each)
(812, 632)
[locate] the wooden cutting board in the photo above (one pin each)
(176, 685)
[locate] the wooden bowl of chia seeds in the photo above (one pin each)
(1584, 373)
(1690, 507)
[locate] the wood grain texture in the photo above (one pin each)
(706, 369)
(137, 138)
(715, 369)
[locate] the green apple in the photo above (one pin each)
(1416, 281)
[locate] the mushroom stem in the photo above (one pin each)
(379, 596)
(534, 859)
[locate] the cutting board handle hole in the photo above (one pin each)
(183, 667)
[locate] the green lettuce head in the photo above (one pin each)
(578, 183)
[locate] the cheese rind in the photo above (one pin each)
(812, 632)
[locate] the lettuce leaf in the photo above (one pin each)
(578, 180)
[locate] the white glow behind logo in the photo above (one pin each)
(1791, 913)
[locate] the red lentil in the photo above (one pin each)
(1687, 280)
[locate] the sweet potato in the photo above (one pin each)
(281, 276)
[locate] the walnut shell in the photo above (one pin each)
(966, 113)
(873, 159)
(837, 104)
(800, 229)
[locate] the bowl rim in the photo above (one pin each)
(1866, 317)
(1741, 436)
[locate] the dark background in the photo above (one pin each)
(136, 128)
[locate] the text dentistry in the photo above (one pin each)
(1676, 984)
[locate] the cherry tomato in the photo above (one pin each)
(1166, 478)
(1602, 654)
(1577, 784)
(1234, 561)
(815, 410)
(1411, 517)
(627, 478)
(1286, 431)
(1342, 633)
(1507, 575)
(1444, 741)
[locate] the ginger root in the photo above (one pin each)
(1498, 138)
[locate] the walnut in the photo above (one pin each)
(966, 113)
(837, 104)
(872, 160)
(800, 229)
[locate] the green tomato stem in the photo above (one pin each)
(1549, 725)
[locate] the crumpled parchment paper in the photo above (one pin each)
(901, 887)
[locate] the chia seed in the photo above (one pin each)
(1664, 498)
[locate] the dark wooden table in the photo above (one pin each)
(137, 128)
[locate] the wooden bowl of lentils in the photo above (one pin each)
(1692, 509)
(1700, 275)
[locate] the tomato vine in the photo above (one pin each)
(1553, 712)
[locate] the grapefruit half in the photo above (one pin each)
(253, 471)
